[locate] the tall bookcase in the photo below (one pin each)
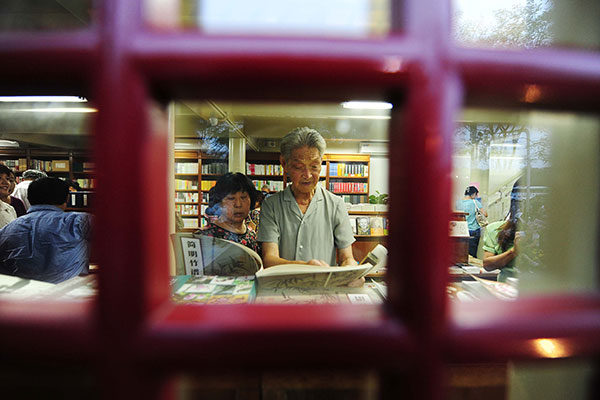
(195, 174)
(66, 164)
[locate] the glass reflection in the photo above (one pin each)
(338, 18)
(532, 173)
(35, 15)
(527, 23)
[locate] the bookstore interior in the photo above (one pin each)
(494, 151)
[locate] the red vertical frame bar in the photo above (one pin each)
(131, 172)
(420, 193)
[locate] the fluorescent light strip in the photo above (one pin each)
(367, 105)
(47, 99)
(57, 110)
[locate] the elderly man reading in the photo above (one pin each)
(304, 224)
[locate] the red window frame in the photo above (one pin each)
(132, 323)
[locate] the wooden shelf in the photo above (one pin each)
(191, 204)
(348, 177)
(186, 190)
(369, 236)
(190, 174)
(367, 212)
(349, 193)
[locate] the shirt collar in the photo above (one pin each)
(43, 207)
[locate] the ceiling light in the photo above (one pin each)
(367, 105)
(58, 110)
(48, 99)
(8, 143)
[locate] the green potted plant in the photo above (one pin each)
(379, 198)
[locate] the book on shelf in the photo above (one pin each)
(354, 170)
(80, 199)
(209, 289)
(363, 225)
(207, 185)
(313, 276)
(186, 197)
(215, 167)
(264, 169)
(186, 184)
(376, 224)
(17, 165)
(186, 168)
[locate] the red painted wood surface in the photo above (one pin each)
(131, 324)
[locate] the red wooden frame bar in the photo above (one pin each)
(136, 338)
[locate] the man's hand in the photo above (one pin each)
(357, 283)
(318, 262)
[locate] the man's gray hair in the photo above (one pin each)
(301, 137)
(34, 174)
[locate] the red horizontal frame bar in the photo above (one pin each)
(309, 335)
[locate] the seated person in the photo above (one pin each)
(231, 199)
(7, 211)
(304, 224)
(46, 244)
(501, 241)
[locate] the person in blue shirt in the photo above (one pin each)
(46, 244)
(470, 204)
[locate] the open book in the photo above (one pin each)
(298, 275)
(199, 255)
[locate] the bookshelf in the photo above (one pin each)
(195, 174)
(66, 164)
(265, 169)
(348, 175)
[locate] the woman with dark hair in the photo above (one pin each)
(501, 240)
(470, 204)
(231, 199)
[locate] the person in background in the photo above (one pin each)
(304, 224)
(13, 201)
(7, 211)
(29, 176)
(231, 199)
(501, 240)
(46, 244)
(470, 204)
(254, 215)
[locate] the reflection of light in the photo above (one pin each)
(59, 109)
(367, 105)
(532, 94)
(49, 99)
(505, 145)
(550, 348)
(505, 158)
(392, 64)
